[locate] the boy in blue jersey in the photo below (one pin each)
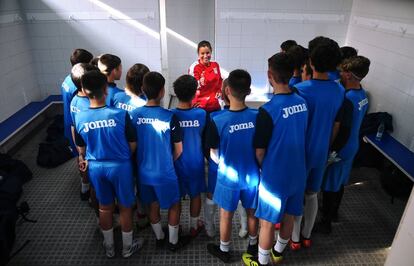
(324, 99)
(159, 139)
(80, 102)
(298, 57)
(346, 52)
(230, 138)
(190, 165)
(132, 97)
(106, 139)
(286, 45)
(111, 66)
(68, 90)
(280, 150)
(353, 70)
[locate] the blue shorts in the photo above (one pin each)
(112, 179)
(166, 195)
(337, 174)
(228, 198)
(212, 176)
(271, 207)
(315, 178)
(192, 188)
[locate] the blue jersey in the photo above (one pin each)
(232, 132)
(106, 132)
(293, 81)
(112, 90)
(324, 99)
(359, 101)
(78, 104)
(190, 165)
(155, 127)
(124, 101)
(334, 75)
(68, 90)
(281, 130)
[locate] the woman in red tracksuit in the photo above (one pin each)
(208, 75)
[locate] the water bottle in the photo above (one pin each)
(380, 131)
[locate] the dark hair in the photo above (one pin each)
(135, 76)
(357, 65)
(348, 52)
(316, 41)
(94, 84)
(110, 62)
(308, 68)
(281, 66)
(239, 83)
(325, 56)
(153, 84)
(80, 56)
(287, 44)
(95, 61)
(297, 56)
(223, 92)
(185, 87)
(204, 44)
(78, 71)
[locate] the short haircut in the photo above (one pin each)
(153, 84)
(223, 90)
(78, 71)
(135, 76)
(316, 41)
(325, 56)
(108, 62)
(287, 44)
(95, 61)
(297, 56)
(281, 66)
(348, 52)
(308, 68)
(185, 88)
(357, 65)
(204, 44)
(94, 84)
(239, 83)
(80, 56)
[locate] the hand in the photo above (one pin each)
(196, 104)
(83, 164)
(218, 95)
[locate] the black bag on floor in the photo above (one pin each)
(56, 129)
(15, 168)
(395, 182)
(52, 154)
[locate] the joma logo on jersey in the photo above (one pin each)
(189, 123)
(241, 126)
(98, 124)
(294, 109)
(126, 107)
(362, 103)
(74, 109)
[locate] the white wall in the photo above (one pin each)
(56, 28)
(375, 29)
(19, 86)
(249, 32)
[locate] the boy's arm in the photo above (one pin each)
(130, 133)
(213, 141)
(176, 137)
(262, 134)
(345, 127)
(337, 123)
(81, 147)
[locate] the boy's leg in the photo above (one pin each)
(195, 224)
(243, 220)
(266, 239)
(130, 246)
(209, 211)
(252, 229)
(286, 228)
(174, 222)
(105, 221)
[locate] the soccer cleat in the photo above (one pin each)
(242, 233)
(210, 230)
(194, 232)
(216, 252)
(109, 250)
(137, 244)
(85, 196)
(252, 249)
(250, 260)
(277, 226)
(294, 245)
(182, 242)
(306, 242)
(276, 256)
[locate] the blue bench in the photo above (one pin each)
(394, 151)
(24, 116)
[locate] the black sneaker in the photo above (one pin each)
(85, 196)
(253, 249)
(216, 252)
(159, 243)
(182, 242)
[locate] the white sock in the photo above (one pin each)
(127, 239)
(157, 228)
(225, 246)
(264, 256)
(280, 244)
(243, 216)
(194, 222)
(173, 232)
(108, 236)
(84, 187)
(310, 212)
(252, 240)
(209, 210)
(296, 228)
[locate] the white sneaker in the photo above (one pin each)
(242, 233)
(109, 250)
(137, 244)
(210, 230)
